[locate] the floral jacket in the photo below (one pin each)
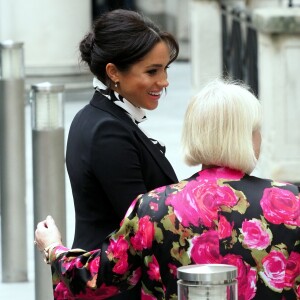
(216, 216)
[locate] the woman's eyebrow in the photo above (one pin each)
(154, 66)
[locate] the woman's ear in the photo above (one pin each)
(256, 140)
(112, 72)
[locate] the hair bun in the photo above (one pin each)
(86, 47)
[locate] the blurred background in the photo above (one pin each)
(256, 41)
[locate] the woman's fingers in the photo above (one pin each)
(47, 233)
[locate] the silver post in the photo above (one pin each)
(48, 170)
(12, 162)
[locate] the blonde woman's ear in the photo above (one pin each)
(256, 139)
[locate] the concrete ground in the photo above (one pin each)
(163, 124)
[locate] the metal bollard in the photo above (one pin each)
(207, 282)
(48, 170)
(12, 162)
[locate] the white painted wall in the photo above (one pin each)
(50, 30)
(206, 39)
(279, 89)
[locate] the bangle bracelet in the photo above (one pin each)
(47, 251)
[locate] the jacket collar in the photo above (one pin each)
(101, 102)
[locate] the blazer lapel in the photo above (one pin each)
(103, 103)
(158, 156)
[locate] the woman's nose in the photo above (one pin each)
(163, 82)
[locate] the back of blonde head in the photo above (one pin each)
(218, 127)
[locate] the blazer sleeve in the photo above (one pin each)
(116, 163)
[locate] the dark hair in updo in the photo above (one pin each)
(122, 37)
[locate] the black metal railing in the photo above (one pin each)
(239, 41)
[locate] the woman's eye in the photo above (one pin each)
(152, 72)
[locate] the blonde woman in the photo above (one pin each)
(221, 214)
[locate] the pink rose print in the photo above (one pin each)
(146, 296)
(153, 206)
(155, 194)
(145, 234)
(250, 291)
(94, 266)
(292, 269)
(160, 189)
(106, 291)
(217, 173)
(117, 251)
(117, 248)
(173, 270)
(200, 202)
(153, 271)
(298, 291)
(224, 228)
(273, 273)
(61, 292)
(121, 265)
(103, 292)
(69, 265)
(246, 277)
(281, 206)
(255, 235)
(136, 276)
(205, 248)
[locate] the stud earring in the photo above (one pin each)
(116, 84)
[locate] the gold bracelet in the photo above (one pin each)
(47, 251)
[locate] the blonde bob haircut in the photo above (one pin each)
(218, 127)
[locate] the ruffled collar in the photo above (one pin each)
(137, 114)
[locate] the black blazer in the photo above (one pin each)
(110, 161)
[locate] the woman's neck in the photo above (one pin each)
(208, 166)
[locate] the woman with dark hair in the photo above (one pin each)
(109, 159)
(220, 215)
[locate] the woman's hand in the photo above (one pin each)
(47, 233)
